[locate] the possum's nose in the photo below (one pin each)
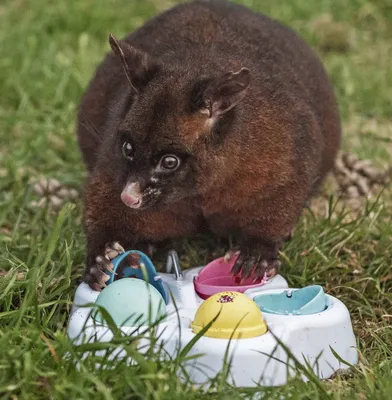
(131, 195)
(130, 201)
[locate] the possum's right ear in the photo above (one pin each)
(139, 67)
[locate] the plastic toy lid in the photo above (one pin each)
(131, 302)
(129, 264)
(309, 300)
(216, 277)
(239, 317)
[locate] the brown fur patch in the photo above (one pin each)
(192, 127)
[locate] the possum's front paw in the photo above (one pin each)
(257, 261)
(95, 274)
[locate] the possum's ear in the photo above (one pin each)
(226, 92)
(139, 67)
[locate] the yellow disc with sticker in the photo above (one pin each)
(239, 317)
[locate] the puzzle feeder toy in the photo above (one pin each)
(251, 318)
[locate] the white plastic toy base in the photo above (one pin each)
(258, 360)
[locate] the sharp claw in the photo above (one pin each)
(248, 268)
(110, 268)
(230, 255)
(110, 254)
(257, 279)
(259, 272)
(100, 260)
(238, 265)
(227, 257)
(96, 287)
(270, 273)
(117, 246)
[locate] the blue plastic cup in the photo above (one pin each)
(150, 273)
(309, 300)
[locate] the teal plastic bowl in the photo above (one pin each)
(309, 300)
(131, 302)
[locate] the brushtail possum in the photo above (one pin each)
(209, 116)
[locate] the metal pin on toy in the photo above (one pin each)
(174, 262)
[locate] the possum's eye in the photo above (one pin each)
(127, 150)
(169, 162)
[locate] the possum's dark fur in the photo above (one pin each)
(242, 104)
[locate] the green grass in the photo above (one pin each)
(48, 53)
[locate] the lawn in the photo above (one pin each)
(48, 53)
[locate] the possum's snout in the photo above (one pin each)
(131, 195)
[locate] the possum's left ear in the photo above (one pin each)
(139, 67)
(224, 93)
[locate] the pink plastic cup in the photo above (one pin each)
(216, 277)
